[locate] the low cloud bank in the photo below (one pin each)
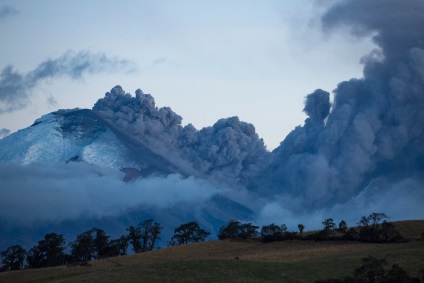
(38, 194)
(400, 201)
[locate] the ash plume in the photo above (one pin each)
(4, 132)
(7, 11)
(229, 152)
(16, 88)
(375, 128)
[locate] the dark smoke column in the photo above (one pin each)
(376, 125)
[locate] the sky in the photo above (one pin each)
(205, 59)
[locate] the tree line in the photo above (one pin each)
(373, 228)
(95, 244)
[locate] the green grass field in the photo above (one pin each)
(239, 261)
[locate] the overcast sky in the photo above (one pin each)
(204, 59)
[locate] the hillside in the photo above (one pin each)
(238, 261)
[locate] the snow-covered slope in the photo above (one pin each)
(79, 135)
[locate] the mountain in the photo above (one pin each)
(79, 135)
(131, 171)
(132, 134)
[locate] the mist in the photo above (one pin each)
(400, 201)
(35, 194)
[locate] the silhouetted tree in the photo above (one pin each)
(144, 236)
(82, 249)
(301, 227)
(12, 258)
(328, 230)
(342, 228)
(134, 238)
(371, 270)
(398, 275)
(48, 252)
(188, 233)
(100, 243)
(272, 232)
(374, 228)
(237, 230)
(118, 247)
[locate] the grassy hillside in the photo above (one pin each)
(238, 261)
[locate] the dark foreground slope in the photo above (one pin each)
(238, 261)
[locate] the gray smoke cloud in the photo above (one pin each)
(4, 132)
(16, 88)
(229, 152)
(56, 193)
(375, 127)
(7, 11)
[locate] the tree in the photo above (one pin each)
(329, 227)
(398, 274)
(48, 252)
(134, 238)
(91, 244)
(237, 230)
(12, 258)
(100, 243)
(144, 236)
(329, 224)
(82, 249)
(301, 227)
(375, 229)
(118, 247)
(342, 228)
(188, 233)
(371, 270)
(272, 232)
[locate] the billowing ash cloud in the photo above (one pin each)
(4, 132)
(230, 151)
(376, 125)
(54, 193)
(15, 88)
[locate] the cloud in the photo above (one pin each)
(400, 201)
(7, 11)
(229, 152)
(374, 127)
(54, 193)
(16, 88)
(4, 132)
(396, 26)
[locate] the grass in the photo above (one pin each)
(238, 261)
